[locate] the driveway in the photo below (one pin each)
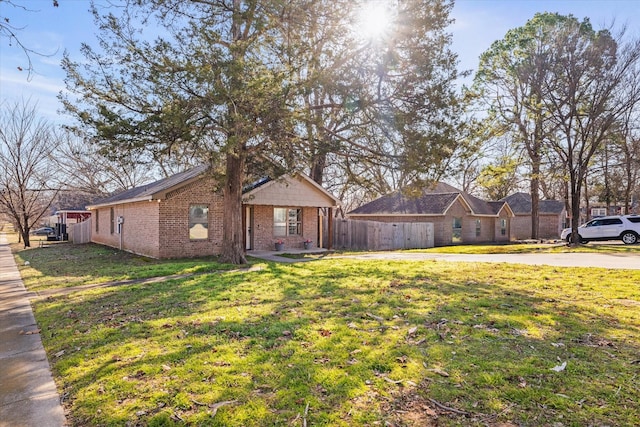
(612, 261)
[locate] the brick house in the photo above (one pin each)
(181, 216)
(552, 217)
(457, 216)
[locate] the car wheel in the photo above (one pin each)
(629, 238)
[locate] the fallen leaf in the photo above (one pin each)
(439, 372)
(325, 332)
(373, 316)
(412, 331)
(559, 368)
(60, 353)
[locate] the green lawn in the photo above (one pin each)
(338, 342)
(599, 247)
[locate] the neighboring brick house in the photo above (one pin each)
(181, 216)
(552, 215)
(457, 216)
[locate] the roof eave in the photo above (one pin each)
(121, 202)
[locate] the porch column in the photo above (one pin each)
(330, 230)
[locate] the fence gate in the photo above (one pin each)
(81, 232)
(379, 236)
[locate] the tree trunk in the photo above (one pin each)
(535, 203)
(317, 168)
(232, 240)
(576, 189)
(26, 239)
(587, 205)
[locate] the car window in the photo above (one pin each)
(635, 220)
(594, 223)
(611, 221)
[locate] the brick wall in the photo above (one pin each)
(550, 227)
(263, 238)
(160, 229)
(174, 241)
(139, 230)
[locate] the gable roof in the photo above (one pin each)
(521, 204)
(271, 189)
(155, 190)
(435, 200)
(158, 190)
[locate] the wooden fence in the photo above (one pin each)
(380, 236)
(80, 232)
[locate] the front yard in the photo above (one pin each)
(337, 342)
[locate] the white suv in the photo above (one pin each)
(625, 228)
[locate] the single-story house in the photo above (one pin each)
(552, 216)
(181, 216)
(457, 216)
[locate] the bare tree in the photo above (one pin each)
(25, 166)
(86, 169)
(594, 83)
(10, 31)
(561, 87)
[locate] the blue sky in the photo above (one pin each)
(54, 30)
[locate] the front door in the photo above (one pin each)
(248, 221)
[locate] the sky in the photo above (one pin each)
(54, 30)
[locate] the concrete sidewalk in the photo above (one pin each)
(28, 395)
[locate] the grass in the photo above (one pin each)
(599, 247)
(61, 265)
(339, 342)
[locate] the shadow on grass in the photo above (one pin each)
(342, 343)
(74, 265)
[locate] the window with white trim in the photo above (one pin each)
(287, 222)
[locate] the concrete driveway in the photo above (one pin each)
(598, 260)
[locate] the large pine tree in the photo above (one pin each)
(259, 87)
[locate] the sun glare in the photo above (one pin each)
(374, 20)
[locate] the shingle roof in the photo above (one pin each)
(397, 203)
(521, 204)
(150, 190)
(158, 188)
(433, 201)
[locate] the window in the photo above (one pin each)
(598, 212)
(457, 230)
(97, 219)
(503, 227)
(112, 219)
(287, 222)
(478, 227)
(198, 222)
(612, 221)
